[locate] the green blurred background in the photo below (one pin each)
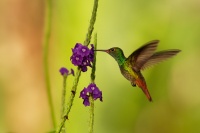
(173, 84)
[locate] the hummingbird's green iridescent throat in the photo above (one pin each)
(140, 59)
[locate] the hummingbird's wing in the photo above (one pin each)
(139, 57)
(159, 57)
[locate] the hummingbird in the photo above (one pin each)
(140, 59)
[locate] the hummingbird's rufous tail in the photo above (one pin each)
(140, 83)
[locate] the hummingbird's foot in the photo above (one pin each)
(133, 84)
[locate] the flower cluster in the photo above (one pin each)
(91, 90)
(82, 56)
(64, 71)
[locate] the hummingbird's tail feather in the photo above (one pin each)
(142, 84)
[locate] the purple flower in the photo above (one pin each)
(65, 72)
(91, 90)
(86, 62)
(96, 93)
(86, 101)
(82, 56)
(83, 68)
(91, 55)
(84, 93)
(75, 49)
(92, 87)
(77, 59)
(83, 51)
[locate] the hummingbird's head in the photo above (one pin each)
(116, 53)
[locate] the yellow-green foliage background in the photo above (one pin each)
(128, 24)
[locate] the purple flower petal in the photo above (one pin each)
(83, 68)
(77, 45)
(92, 49)
(86, 101)
(91, 55)
(75, 49)
(92, 87)
(92, 90)
(83, 93)
(83, 51)
(77, 59)
(97, 95)
(82, 56)
(64, 71)
(86, 62)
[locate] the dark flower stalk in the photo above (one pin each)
(78, 71)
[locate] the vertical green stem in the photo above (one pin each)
(47, 33)
(63, 95)
(92, 22)
(91, 123)
(94, 62)
(71, 99)
(78, 71)
(63, 99)
(73, 92)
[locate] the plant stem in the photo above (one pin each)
(47, 34)
(63, 95)
(92, 22)
(71, 99)
(94, 62)
(63, 99)
(78, 71)
(91, 123)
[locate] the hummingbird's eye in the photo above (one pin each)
(112, 49)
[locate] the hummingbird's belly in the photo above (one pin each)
(128, 73)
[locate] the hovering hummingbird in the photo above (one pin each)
(142, 58)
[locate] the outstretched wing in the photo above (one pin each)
(159, 57)
(139, 57)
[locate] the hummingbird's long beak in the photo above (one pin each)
(102, 50)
